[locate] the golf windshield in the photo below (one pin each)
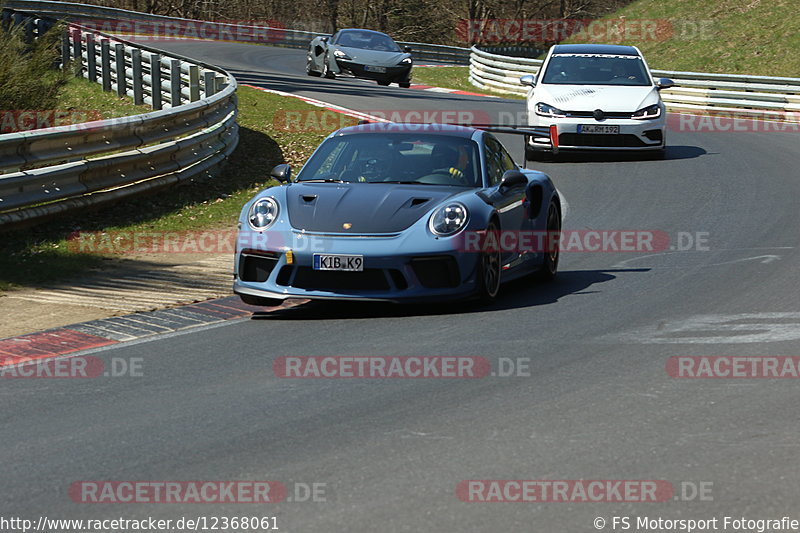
(596, 69)
(395, 158)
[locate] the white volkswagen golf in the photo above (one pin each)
(595, 97)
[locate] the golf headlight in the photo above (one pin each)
(545, 110)
(340, 55)
(651, 111)
(449, 219)
(405, 61)
(263, 213)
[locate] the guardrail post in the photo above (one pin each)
(105, 64)
(155, 80)
(119, 58)
(29, 22)
(65, 45)
(5, 21)
(77, 50)
(209, 83)
(41, 27)
(91, 58)
(136, 61)
(194, 83)
(175, 83)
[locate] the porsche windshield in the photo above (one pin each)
(596, 69)
(367, 40)
(395, 158)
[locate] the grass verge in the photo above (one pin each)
(42, 254)
(452, 78)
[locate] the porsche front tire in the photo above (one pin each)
(489, 269)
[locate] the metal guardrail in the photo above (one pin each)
(192, 130)
(135, 23)
(760, 96)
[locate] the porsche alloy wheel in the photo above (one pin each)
(489, 271)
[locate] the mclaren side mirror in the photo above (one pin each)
(528, 79)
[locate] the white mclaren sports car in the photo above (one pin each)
(594, 97)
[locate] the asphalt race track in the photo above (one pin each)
(598, 403)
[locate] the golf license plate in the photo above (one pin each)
(370, 68)
(347, 263)
(598, 128)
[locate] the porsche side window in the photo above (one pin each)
(497, 160)
(333, 162)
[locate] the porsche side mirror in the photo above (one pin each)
(528, 79)
(512, 179)
(407, 49)
(282, 173)
(664, 83)
(324, 39)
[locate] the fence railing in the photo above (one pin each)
(191, 131)
(761, 96)
(145, 24)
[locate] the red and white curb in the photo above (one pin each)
(106, 331)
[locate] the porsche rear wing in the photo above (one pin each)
(512, 129)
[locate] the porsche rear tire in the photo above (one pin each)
(551, 253)
(489, 269)
(405, 84)
(383, 83)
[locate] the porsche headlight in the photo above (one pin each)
(405, 61)
(545, 110)
(649, 112)
(341, 55)
(263, 213)
(449, 219)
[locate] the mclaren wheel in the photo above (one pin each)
(310, 71)
(326, 71)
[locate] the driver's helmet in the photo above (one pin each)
(454, 159)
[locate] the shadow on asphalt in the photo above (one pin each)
(674, 153)
(517, 294)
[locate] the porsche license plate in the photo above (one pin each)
(598, 128)
(348, 263)
(370, 68)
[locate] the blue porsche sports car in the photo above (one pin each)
(398, 212)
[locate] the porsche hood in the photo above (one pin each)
(360, 208)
